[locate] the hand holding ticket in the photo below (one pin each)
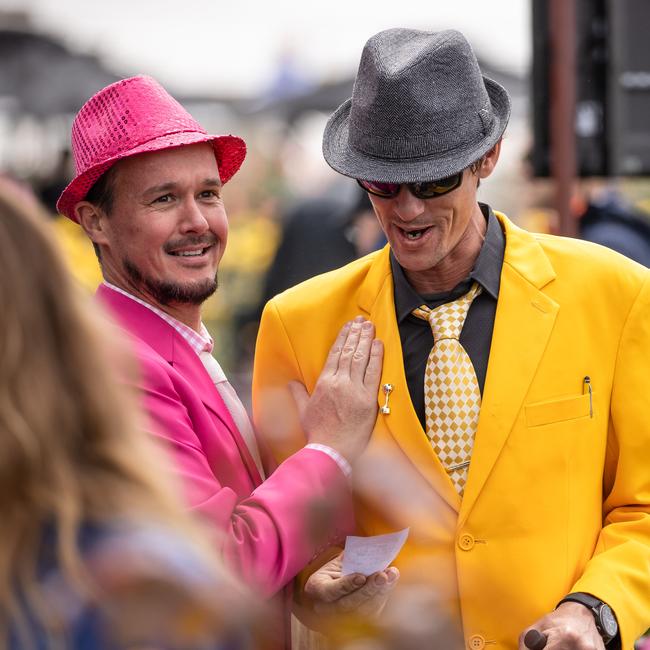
(367, 555)
(358, 580)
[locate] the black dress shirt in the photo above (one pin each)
(476, 335)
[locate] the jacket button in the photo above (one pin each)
(476, 642)
(466, 543)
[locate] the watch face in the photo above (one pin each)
(608, 621)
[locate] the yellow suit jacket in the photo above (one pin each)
(558, 492)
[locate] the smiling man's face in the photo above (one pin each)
(167, 230)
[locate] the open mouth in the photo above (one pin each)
(413, 235)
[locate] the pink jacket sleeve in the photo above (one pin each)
(266, 532)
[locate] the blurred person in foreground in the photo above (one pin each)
(97, 551)
(515, 378)
(149, 194)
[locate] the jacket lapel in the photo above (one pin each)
(524, 320)
(190, 366)
(376, 298)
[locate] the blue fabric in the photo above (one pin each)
(86, 627)
(86, 631)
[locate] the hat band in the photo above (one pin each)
(414, 148)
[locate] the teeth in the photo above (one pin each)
(190, 253)
(414, 234)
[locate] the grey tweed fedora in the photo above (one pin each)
(420, 110)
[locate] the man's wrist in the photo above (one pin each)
(337, 457)
(604, 616)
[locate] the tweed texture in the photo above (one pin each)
(420, 110)
(452, 398)
(133, 116)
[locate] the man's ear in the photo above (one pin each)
(92, 219)
(489, 161)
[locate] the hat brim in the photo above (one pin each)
(347, 160)
(230, 152)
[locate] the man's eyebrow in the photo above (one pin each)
(163, 187)
(170, 185)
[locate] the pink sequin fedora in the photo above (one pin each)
(133, 116)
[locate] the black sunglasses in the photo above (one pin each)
(423, 190)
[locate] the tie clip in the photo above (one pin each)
(388, 389)
(453, 468)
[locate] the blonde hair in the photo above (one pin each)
(72, 449)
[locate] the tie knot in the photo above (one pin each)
(447, 320)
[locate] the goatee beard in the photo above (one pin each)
(171, 293)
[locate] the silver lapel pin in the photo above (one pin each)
(388, 389)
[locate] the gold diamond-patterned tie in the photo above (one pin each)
(452, 398)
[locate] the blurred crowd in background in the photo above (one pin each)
(286, 203)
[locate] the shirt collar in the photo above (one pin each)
(486, 271)
(199, 341)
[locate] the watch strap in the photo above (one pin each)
(584, 599)
(595, 605)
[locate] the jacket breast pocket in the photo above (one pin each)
(558, 410)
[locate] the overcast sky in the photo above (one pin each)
(211, 46)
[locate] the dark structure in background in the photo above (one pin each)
(612, 89)
(629, 87)
(44, 77)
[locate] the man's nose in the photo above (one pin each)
(408, 206)
(193, 219)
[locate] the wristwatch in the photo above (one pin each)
(605, 618)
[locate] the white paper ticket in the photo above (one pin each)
(367, 555)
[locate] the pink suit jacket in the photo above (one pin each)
(262, 527)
